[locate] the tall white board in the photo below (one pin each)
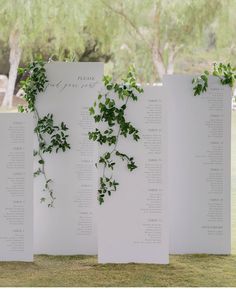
(198, 166)
(16, 187)
(69, 227)
(132, 222)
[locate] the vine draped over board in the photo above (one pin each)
(225, 72)
(50, 137)
(106, 110)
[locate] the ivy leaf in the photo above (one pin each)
(91, 111)
(225, 72)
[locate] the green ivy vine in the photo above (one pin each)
(225, 72)
(108, 111)
(51, 137)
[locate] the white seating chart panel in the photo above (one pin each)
(132, 223)
(70, 227)
(198, 166)
(16, 187)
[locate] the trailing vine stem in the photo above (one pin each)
(50, 137)
(41, 168)
(225, 72)
(117, 139)
(106, 110)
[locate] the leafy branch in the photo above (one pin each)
(224, 72)
(51, 137)
(107, 110)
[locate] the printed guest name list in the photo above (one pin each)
(199, 166)
(16, 187)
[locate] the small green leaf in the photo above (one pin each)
(91, 111)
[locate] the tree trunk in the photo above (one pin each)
(14, 60)
(158, 62)
(173, 51)
(171, 59)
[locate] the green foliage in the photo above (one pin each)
(48, 28)
(33, 84)
(224, 72)
(51, 137)
(107, 110)
(200, 83)
(58, 134)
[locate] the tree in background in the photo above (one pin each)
(155, 35)
(161, 28)
(225, 33)
(51, 28)
(28, 23)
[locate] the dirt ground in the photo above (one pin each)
(16, 100)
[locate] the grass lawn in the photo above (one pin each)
(185, 270)
(197, 270)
